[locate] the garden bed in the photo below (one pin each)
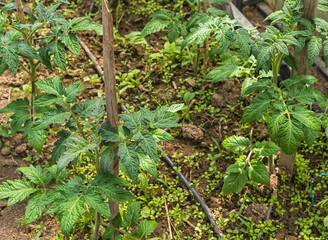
(157, 78)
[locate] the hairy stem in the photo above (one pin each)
(32, 74)
(95, 235)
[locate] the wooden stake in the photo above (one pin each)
(310, 11)
(110, 85)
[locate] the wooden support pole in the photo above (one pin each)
(110, 84)
(20, 11)
(309, 11)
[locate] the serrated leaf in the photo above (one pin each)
(314, 48)
(224, 37)
(234, 182)
(50, 86)
(45, 57)
(132, 214)
(147, 144)
(306, 117)
(147, 164)
(59, 55)
(108, 133)
(73, 91)
(153, 26)
(27, 51)
(3, 66)
(198, 35)
(257, 86)
(161, 136)
(173, 30)
(236, 143)
(276, 118)
(15, 106)
(131, 120)
(299, 81)
(10, 56)
(215, 12)
(282, 47)
(47, 100)
(96, 201)
(71, 42)
(18, 118)
(107, 185)
(147, 227)
(107, 157)
(242, 38)
(37, 138)
(290, 61)
(310, 135)
(35, 207)
(87, 25)
(265, 148)
(16, 190)
(325, 51)
(165, 118)
(290, 135)
(264, 57)
(258, 172)
(51, 117)
(129, 157)
(258, 108)
(108, 233)
(9, 7)
(76, 145)
(36, 174)
(175, 107)
(70, 212)
(221, 73)
(60, 146)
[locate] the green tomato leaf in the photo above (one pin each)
(71, 42)
(258, 172)
(132, 214)
(16, 190)
(97, 202)
(221, 73)
(234, 182)
(36, 175)
(314, 48)
(236, 143)
(146, 228)
(73, 91)
(108, 133)
(129, 158)
(147, 164)
(54, 87)
(147, 144)
(36, 205)
(106, 160)
(51, 117)
(265, 148)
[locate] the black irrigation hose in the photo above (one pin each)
(91, 7)
(199, 199)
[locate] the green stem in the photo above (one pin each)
(97, 160)
(276, 63)
(95, 235)
(32, 74)
(76, 120)
(191, 5)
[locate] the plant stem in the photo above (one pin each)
(77, 121)
(95, 235)
(205, 61)
(271, 164)
(191, 5)
(32, 74)
(276, 63)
